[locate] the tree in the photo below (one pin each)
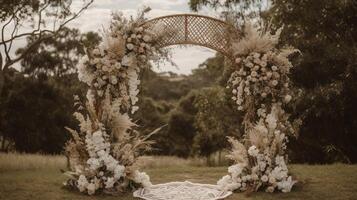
(216, 119)
(57, 56)
(14, 14)
(181, 130)
(36, 114)
(325, 32)
(19, 12)
(241, 9)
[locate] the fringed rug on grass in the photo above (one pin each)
(181, 191)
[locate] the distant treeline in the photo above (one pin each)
(37, 102)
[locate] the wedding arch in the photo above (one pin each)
(193, 29)
(104, 151)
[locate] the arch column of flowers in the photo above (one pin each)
(103, 153)
(260, 87)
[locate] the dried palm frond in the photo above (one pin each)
(120, 124)
(258, 135)
(238, 153)
(85, 123)
(255, 40)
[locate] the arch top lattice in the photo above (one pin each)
(192, 29)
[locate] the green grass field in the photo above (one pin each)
(27, 181)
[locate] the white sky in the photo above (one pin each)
(98, 16)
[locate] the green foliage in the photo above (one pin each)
(181, 130)
(26, 9)
(325, 33)
(216, 119)
(57, 56)
(36, 113)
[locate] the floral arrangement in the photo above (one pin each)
(103, 153)
(260, 88)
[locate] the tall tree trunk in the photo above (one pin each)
(2, 81)
(2, 143)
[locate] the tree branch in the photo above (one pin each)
(38, 31)
(15, 30)
(0, 61)
(3, 36)
(53, 33)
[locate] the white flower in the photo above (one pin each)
(262, 166)
(85, 74)
(93, 163)
(286, 185)
(82, 183)
(119, 171)
(270, 189)
(235, 170)
(254, 74)
(147, 38)
(109, 183)
(287, 98)
(91, 188)
(130, 46)
(113, 79)
(272, 180)
(134, 109)
(264, 178)
(255, 177)
(142, 178)
(274, 68)
(269, 74)
(238, 60)
(117, 65)
(274, 82)
(127, 60)
(271, 120)
(253, 151)
(96, 52)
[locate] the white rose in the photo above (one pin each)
(274, 68)
(147, 38)
(130, 46)
(91, 188)
(264, 178)
(287, 98)
(253, 151)
(270, 189)
(238, 60)
(274, 82)
(109, 183)
(269, 74)
(96, 52)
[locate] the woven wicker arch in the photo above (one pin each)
(191, 29)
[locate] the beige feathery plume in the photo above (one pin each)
(238, 153)
(255, 40)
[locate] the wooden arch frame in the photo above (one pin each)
(193, 29)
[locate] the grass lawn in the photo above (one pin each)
(319, 182)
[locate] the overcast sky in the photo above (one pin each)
(98, 16)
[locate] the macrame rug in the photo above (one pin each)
(181, 191)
